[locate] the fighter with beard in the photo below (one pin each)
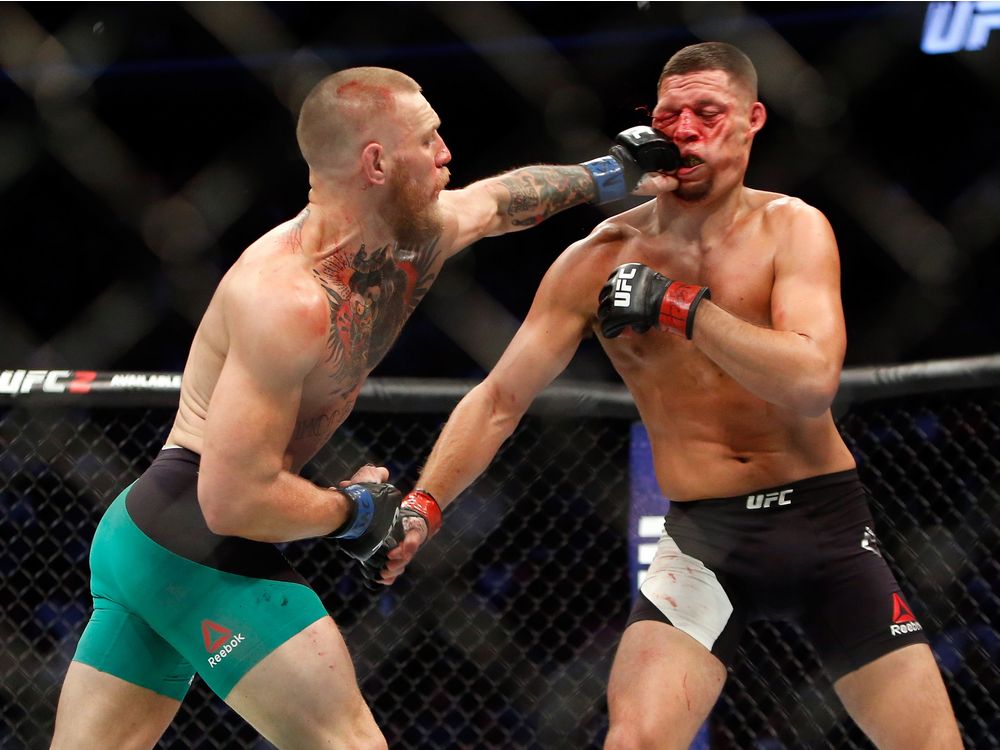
(768, 517)
(185, 573)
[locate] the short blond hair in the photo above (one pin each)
(339, 110)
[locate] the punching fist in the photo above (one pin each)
(635, 295)
(642, 149)
(636, 151)
(374, 511)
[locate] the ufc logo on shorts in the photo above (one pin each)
(766, 501)
(623, 290)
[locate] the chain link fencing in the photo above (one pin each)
(502, 632)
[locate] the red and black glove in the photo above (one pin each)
(635, 295)
(417, 504)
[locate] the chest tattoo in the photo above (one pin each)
(371, 294)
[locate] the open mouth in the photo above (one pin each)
(690, 161)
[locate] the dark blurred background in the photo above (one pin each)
(143, 146)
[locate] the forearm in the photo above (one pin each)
(467, 445)
(281, 508)
(784, 368)
(530, 195)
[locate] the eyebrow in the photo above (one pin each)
(704, 101)
(698, 105)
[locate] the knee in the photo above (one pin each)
(363, 734)
(649, 733)
(635, 736)
(620, 738)
(341, 740)
(371, 742)
(357, 733)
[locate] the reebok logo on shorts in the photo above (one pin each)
(903, 620)
(220, 640)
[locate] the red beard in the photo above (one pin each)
(415, 219)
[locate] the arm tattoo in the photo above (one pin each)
(540, 191)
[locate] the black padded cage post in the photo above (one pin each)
(502, 632)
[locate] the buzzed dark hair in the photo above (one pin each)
(713, 56)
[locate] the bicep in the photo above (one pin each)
(249, 422)
(469, 214)
(252, 411)
(805, 298)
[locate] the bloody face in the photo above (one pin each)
(712, 121)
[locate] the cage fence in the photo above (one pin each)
(502, 632)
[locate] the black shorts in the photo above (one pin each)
(804, 552)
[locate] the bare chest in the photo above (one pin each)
(370, 295)
(738, 268)
(739, 271)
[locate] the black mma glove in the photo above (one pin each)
(417, 504)
(636, 151)
(635, 295)
(371, 568)
(375, 508)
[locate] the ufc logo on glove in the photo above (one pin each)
(623, 290)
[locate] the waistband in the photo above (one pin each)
(836, 484)
(177, 453)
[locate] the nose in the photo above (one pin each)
(685, 131)
(443, 155)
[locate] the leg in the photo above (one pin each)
(900, 701)
(122, 688)
(304, 694)
(98, 710)
(663, 685)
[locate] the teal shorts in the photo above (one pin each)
(202, 603)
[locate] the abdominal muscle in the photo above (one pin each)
(722, 441)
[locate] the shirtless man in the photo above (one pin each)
(768, 517)
(185, 574)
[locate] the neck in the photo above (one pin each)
(341, 223)
(697, 219)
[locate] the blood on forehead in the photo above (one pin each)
(380, 97)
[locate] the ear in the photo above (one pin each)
(758, 116)
(372, 163)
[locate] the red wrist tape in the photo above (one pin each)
(678, 306)
(423, 502)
